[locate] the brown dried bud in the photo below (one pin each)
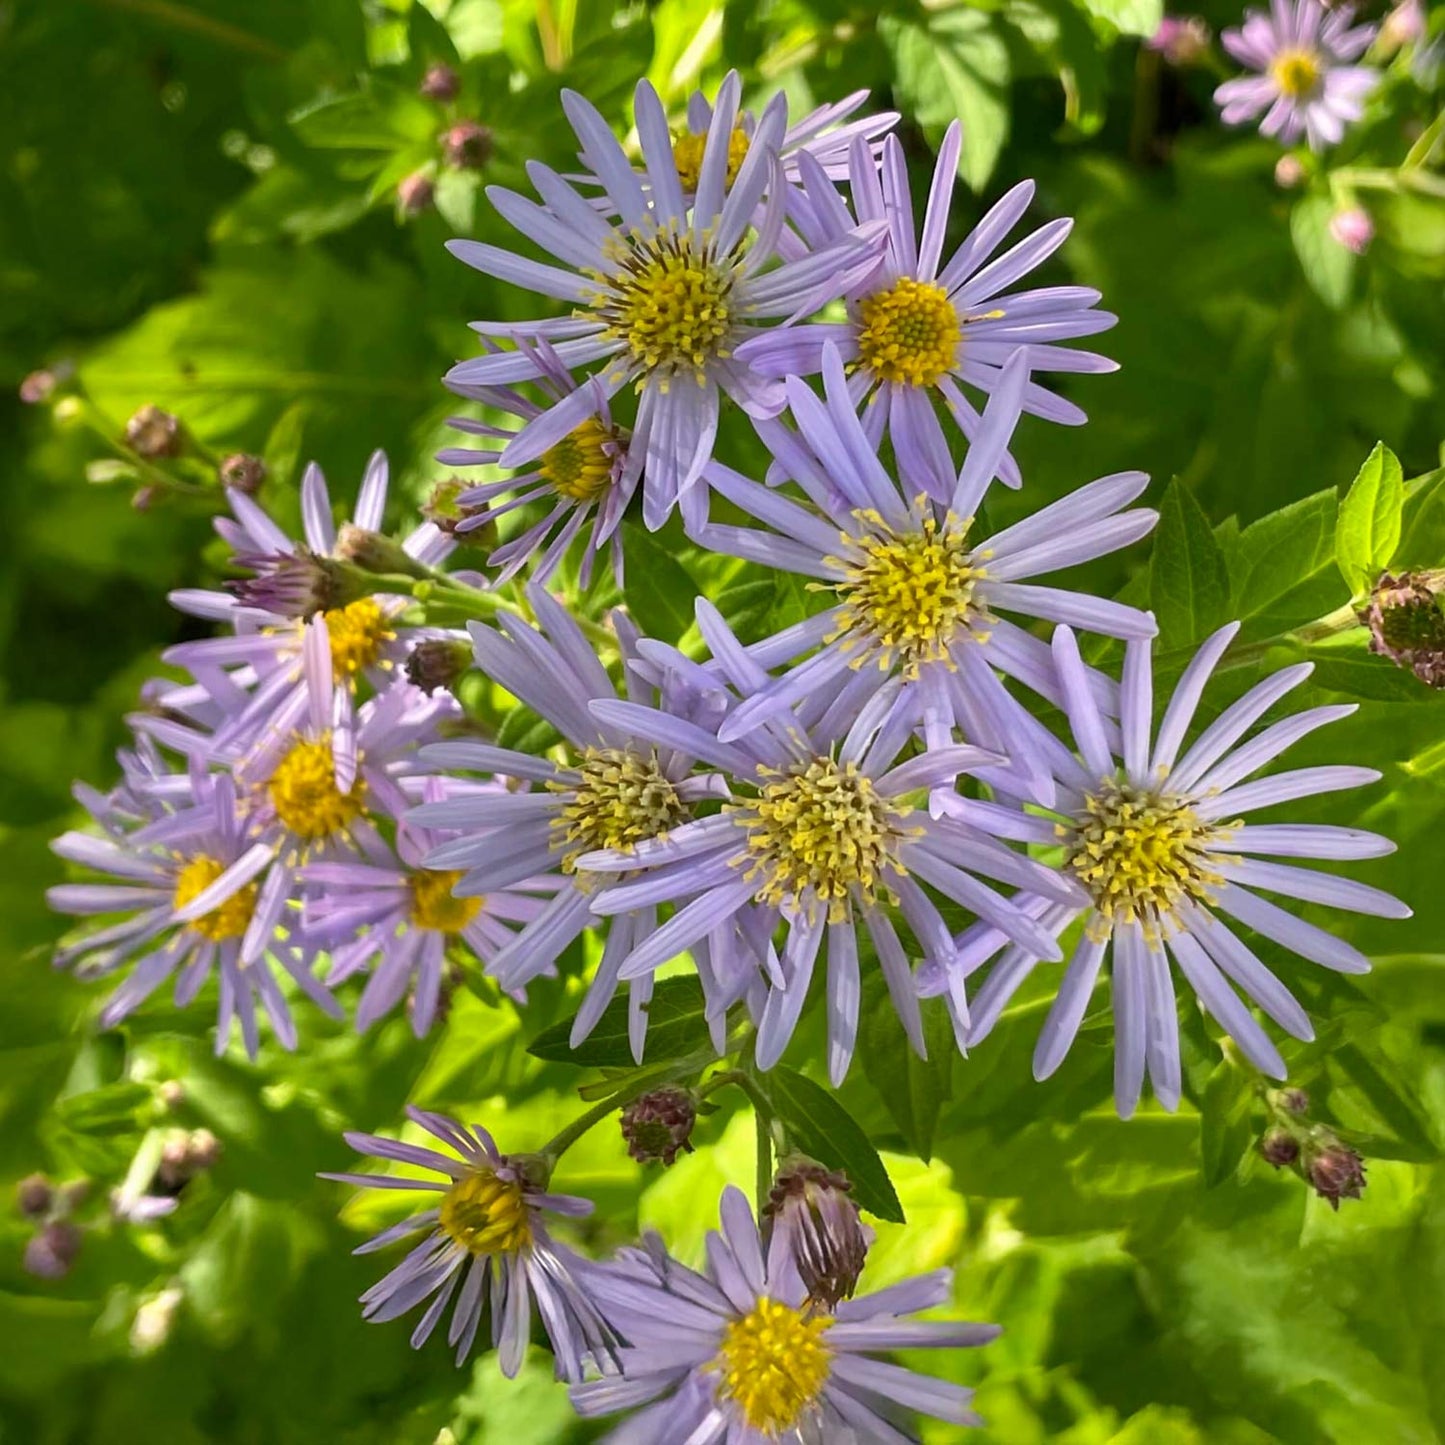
(658, 1126)
(242, 472)
(825, 1236)
(467, 145)
(50, 1253)
(1407, 625)
(1336, 1172)
(1279, 1147)
(153, 433)
(34, 1196)
(439, 83)
(438, 663)
(416, 193)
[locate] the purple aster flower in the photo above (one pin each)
(486, 1243)
(385, 912)
(1305, 85)
(819, 834)
(1155, 837)
(919, 590)
(254, 672)
(738, 1355)
(190, 898)
(580, 478)
(663, 296)
(919, 325)
(606, 790)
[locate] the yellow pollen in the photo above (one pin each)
(687, 153)
(818, 831)
(1296, 72)
(1140, 853)
(227, 920)
(909, 333)
(486, 1215)
(910, 594)
(773, 1365)
(668, 301)
(357, 632)
(622, 799)
(304, 794)
(580, 465)
(432, 904)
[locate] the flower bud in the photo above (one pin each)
(1353, 229)
(1404, 25)
(1289, 172)
(416, 193)
(467, 145)
(171, 1094)
(1181, 39)
(296, 584)
(827, 1240)
(51, 1251)
(42, 385)
(153, 433)
(242, 472)
(374, 553)
(154, 1321)
(1335, 1170)
(204, 1150)
(444, 510)
(1407, 625)
(1279, 1147)
(439, 83)
(438, 662)
(34, 1196)
(658, 1126)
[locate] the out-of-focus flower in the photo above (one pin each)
(440, 83)
(153, 433)
(52, 1249)
(1404, 25)
(416, 193)
(1181, 39)
(812, 1208)
(34, 1196)
(467, 145)
(1353, 229)
(1289, 172)
(155, 1319)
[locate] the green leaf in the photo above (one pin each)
(660, 593)
(113, 1109)
(912, 1089)
(676, 1027)
(1282, 568)
(1368, 530)
(820, 1126)
(1226, 1126)
(1189, 579)
(1329, 267)
(1128, 17)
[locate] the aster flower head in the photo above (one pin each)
(826, 1240)
(581, 479)
(739, 1353)
(1305, 85)
(663, 295)
(1156, 837)
(487, 1242)
(920, 593)
(819, 834)
(920, 328)
(604, 790)
(192, 894)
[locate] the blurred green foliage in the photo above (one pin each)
(199, 208)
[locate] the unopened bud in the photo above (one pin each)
(153, 433)
(445, 510)
(205, 1150)
(374, 553)
(1181, 39)
(242, 472)
(658, 1126)
(171, 1094)
(1353, 229)
(416, 193)
(439, 83)
(34, 1196)
(1289, 172)
(1336, 1172)
(827, 1240)
(51, 1251)
(38, 387)
(1292, 1101)
(144, 498)
(1404, 25)
(296, 584)
(1279, 1147)
(154, 1321)
(438, 662)
(467, 145)
(1407, 625)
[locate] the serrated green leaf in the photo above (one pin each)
(676, 1027)
(1189, 578)
(1370, 518)
(820, 1126)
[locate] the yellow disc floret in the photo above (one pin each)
(818, 831)
(304, 794)
(621, 799)
(486, 1215)
(669, 303)
(1296, 72)
(909, 333)
(580, 465)
(909, 594)
(773, 1365)
(1139, 853)
(687, 153)
(357, 633)
(433, 905)
(226, 920)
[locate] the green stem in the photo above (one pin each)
(761, 1126)
(1340, 620)
(560, 1143)
(762, 1122)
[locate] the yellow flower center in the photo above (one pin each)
(486, 1215)
(357, 632)
(432, 903)
(687, 153)
(580, 466)
(623, 798)
(1296, 72)
(817, 831)
(1139, 853)
(911, 592)
(669, 303)
(227, 920)
(909, 333)
(773, 1365)
(304, 794)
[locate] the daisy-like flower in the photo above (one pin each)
(1157, 840)
(1306, 85)
(605, 791)
(257, 670)
(738, 1355)
(819, 834)
(385, 912)
(920, 326)
(581, 478)
(486, 1243)
(187, 899)
(919, 591)
(664, 295)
